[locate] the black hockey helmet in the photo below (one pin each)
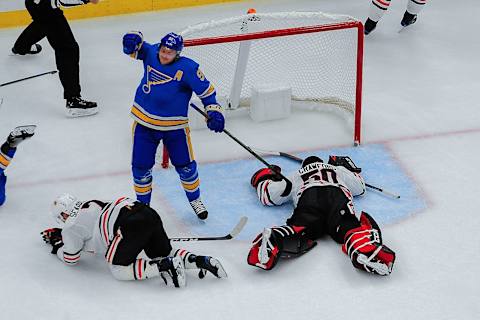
(311, 159)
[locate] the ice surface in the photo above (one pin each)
(421, 131)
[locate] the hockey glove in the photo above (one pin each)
(216, 121)
(132, 42)
(53, 237)
(266, 174)
(344, 161)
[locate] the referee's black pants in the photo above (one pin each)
(51, 23)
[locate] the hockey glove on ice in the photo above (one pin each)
(132, 42)
(53, 237)
(216, 121)
(344, 161)
(266, 174)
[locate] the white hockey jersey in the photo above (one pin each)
(92, 230)
(313, 175)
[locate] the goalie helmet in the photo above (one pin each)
(173, 41)
(310, 160)
(65, 209)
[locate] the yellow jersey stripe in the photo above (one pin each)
(3, 160)
(161, 123)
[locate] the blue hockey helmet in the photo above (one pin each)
(173, 41)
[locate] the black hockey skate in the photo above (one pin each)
(369, 26)
(77, 107)
(19, 134)
(408, 19)
(210, 264)
(35, 49)
(199, 209)
(172, 271)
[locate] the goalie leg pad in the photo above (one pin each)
(276, 242)
(365, 248)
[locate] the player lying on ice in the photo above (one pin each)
(120, 230)
(322, 197)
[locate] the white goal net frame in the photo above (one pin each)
(323, 62)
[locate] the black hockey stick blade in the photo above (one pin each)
(235, 231)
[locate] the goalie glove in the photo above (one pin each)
(132, 42)
(266, 174)
(53, 237)
(344, 161)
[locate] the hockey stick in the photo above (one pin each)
(26, 78)
(235, 231)
(243, 145)
(295, 158)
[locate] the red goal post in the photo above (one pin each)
(319, 55)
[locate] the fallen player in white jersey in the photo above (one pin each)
(322, 197)
(120, 230)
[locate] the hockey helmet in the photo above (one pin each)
(173, 41)
(65, 209)
(310, 160)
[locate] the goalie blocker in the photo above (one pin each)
(322, 197)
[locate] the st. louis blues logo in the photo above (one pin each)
(154, 77)
(171, 42)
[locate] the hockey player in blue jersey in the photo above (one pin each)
(7, 151)
(160, 113)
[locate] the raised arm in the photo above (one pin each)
(135, 46)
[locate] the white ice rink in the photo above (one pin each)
(420, 103)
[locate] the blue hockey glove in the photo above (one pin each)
(216, 121)
(132, 42)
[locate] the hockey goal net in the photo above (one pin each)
(318, 55)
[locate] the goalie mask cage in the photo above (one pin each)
(318, 55)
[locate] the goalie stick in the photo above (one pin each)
(235, 231)
(298, 159)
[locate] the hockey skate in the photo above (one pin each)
(408, 19)
(369, 26)
(19, 134)
(77, 107)
(199, 209)
(172, 271)
(35, 49)
(210, 264)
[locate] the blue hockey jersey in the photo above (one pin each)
(163, 96)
